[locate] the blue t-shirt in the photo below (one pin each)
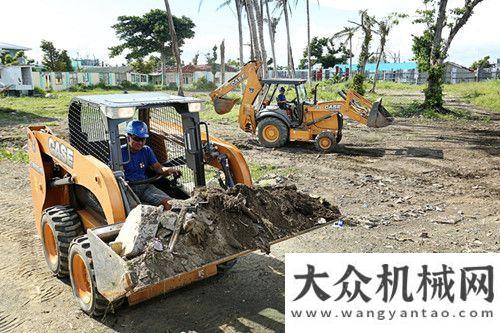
(139, 162)
(281, 98)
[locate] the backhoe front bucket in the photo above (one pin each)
(223, 105)
(379, 116)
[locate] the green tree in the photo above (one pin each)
(212, 60)
(323, 51)
(366, 25)
(384, 28)
(431, 49)
(55, 60)
(481, 63)
(150, 33)
(146, 67)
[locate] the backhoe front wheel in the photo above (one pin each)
(325, 142)
(81, 272)
(272, 132)
(60, 224)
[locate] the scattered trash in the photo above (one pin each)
(158, 245)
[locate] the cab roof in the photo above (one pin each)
(284, 81)
(126, 100)
(118, 106)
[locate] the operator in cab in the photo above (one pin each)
(283, 103)
(142, 157)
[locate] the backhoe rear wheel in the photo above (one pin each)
(272, 132)
(60, 224)
(325, 142)
(82, 276)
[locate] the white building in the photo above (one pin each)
(15, 77)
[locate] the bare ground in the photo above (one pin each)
(417, 186)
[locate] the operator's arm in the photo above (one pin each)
(157, 167)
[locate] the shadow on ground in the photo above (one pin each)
(249, 297)
(10, 117)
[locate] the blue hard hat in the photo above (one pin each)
(137, 128)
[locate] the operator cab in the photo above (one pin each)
(296, 98)
(97, 127)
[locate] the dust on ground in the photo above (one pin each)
(416, 186)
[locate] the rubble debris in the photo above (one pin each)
(220, 223)
(139, 228)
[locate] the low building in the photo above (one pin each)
(15, 77)
(192, 73)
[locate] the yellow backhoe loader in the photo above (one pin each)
(300, 119)
(81, 197)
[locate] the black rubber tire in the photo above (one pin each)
(65, 225)
(98, 306)
(320, 139)
(282, 132)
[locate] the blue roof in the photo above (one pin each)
(383, 66)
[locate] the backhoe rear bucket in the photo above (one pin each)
(223, 105)
(379, 116)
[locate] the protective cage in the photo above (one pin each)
(88, 131)
(167, 141)
(92, 133)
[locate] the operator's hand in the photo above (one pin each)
(172, 172)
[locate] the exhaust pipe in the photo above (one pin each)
(379, 116)
(223, 105)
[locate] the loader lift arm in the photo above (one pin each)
(253, 87)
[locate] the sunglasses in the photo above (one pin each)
(137, 139)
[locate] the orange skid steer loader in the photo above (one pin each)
(81, 197)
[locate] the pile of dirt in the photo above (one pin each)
(218, 223)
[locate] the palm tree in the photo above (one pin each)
(239, 5)
(253, 29)
(309, 73)
(271, 25)
(384, 27)
(347, 33)
(285, 6)
(175, 47)
(259, 17)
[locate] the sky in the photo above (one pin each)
(84, 27)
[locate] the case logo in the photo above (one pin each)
(61, 152)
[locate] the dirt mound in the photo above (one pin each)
(218, 223)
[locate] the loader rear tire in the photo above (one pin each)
(325, 142)
(83, 283)
(60, 224)
(272, 132)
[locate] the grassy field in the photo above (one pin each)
(400, 99)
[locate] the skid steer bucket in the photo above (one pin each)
(116, 278)
(223, 105)
(379, 116)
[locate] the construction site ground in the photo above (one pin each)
(417, 186)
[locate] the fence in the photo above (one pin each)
(64, 80)
(412, 76)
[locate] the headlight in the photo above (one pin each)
(194, 107)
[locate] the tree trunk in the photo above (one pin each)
(222, 63)
(163, 68)
(271, 38)
(382, 47)
(240, 30)
(350, 56)
(259, 18)
(253, 29)
(291, 67)
(175, 48)
(309, 72)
